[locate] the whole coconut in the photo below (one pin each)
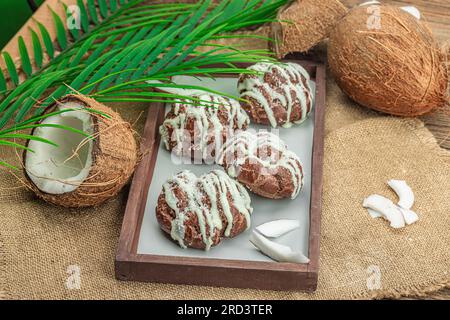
(80, 171)
(386, 59)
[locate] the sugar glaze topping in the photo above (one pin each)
(206, 116)
(290, 77)
(215, 186)
(244, 147)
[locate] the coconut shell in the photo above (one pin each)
(396, 68)
(303, 24)
(114, 158)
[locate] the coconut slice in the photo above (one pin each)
(81, 171)
(276, 251)
(277, 228)
(404, 192)
(387, 208)
(374, 214)
(409, 215)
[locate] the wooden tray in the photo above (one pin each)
(132, 266)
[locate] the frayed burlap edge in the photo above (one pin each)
(421, 131)
(417, 291)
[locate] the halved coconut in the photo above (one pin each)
(302, 24)
(81, 171)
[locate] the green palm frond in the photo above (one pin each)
(37, 49)
(120, 47)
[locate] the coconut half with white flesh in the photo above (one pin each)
(81, 171)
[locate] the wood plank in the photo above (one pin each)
(42, 15)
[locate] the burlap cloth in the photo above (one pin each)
(360, 257)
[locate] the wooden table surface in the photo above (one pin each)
(435, 12)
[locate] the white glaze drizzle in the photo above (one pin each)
(246, 144)
(216, 185)
(205, 115)
(251, 87)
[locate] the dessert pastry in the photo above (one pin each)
(198, 212)
(263, 164)
(193, 130)
(280, 95)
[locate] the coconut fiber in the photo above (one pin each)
(114, 158)
(304, 23)
(43, 248)
(387, 60)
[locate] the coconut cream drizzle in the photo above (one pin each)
(206, 117)
(245, 146)
(292, 75)
(215, 185)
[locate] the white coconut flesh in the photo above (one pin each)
(61, 169)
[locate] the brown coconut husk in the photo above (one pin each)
(398, 69)
(445, 51)
(302, 24)
(114, 158)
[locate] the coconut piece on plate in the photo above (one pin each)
(276, 251)
(277, 228)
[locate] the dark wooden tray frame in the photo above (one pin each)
(131, 266)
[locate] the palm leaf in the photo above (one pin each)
(60, 30)
(103, 8)
(14, 145)
(92, 11)
(11, 68)
(37, 49)
(74, 32)
(28, 137)
(84, 17)
(99, 50)
(47, 40)
(2, 82)
(113, 5)
(7, 165)
(26, 63)
(82, 51)
(114, 58)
